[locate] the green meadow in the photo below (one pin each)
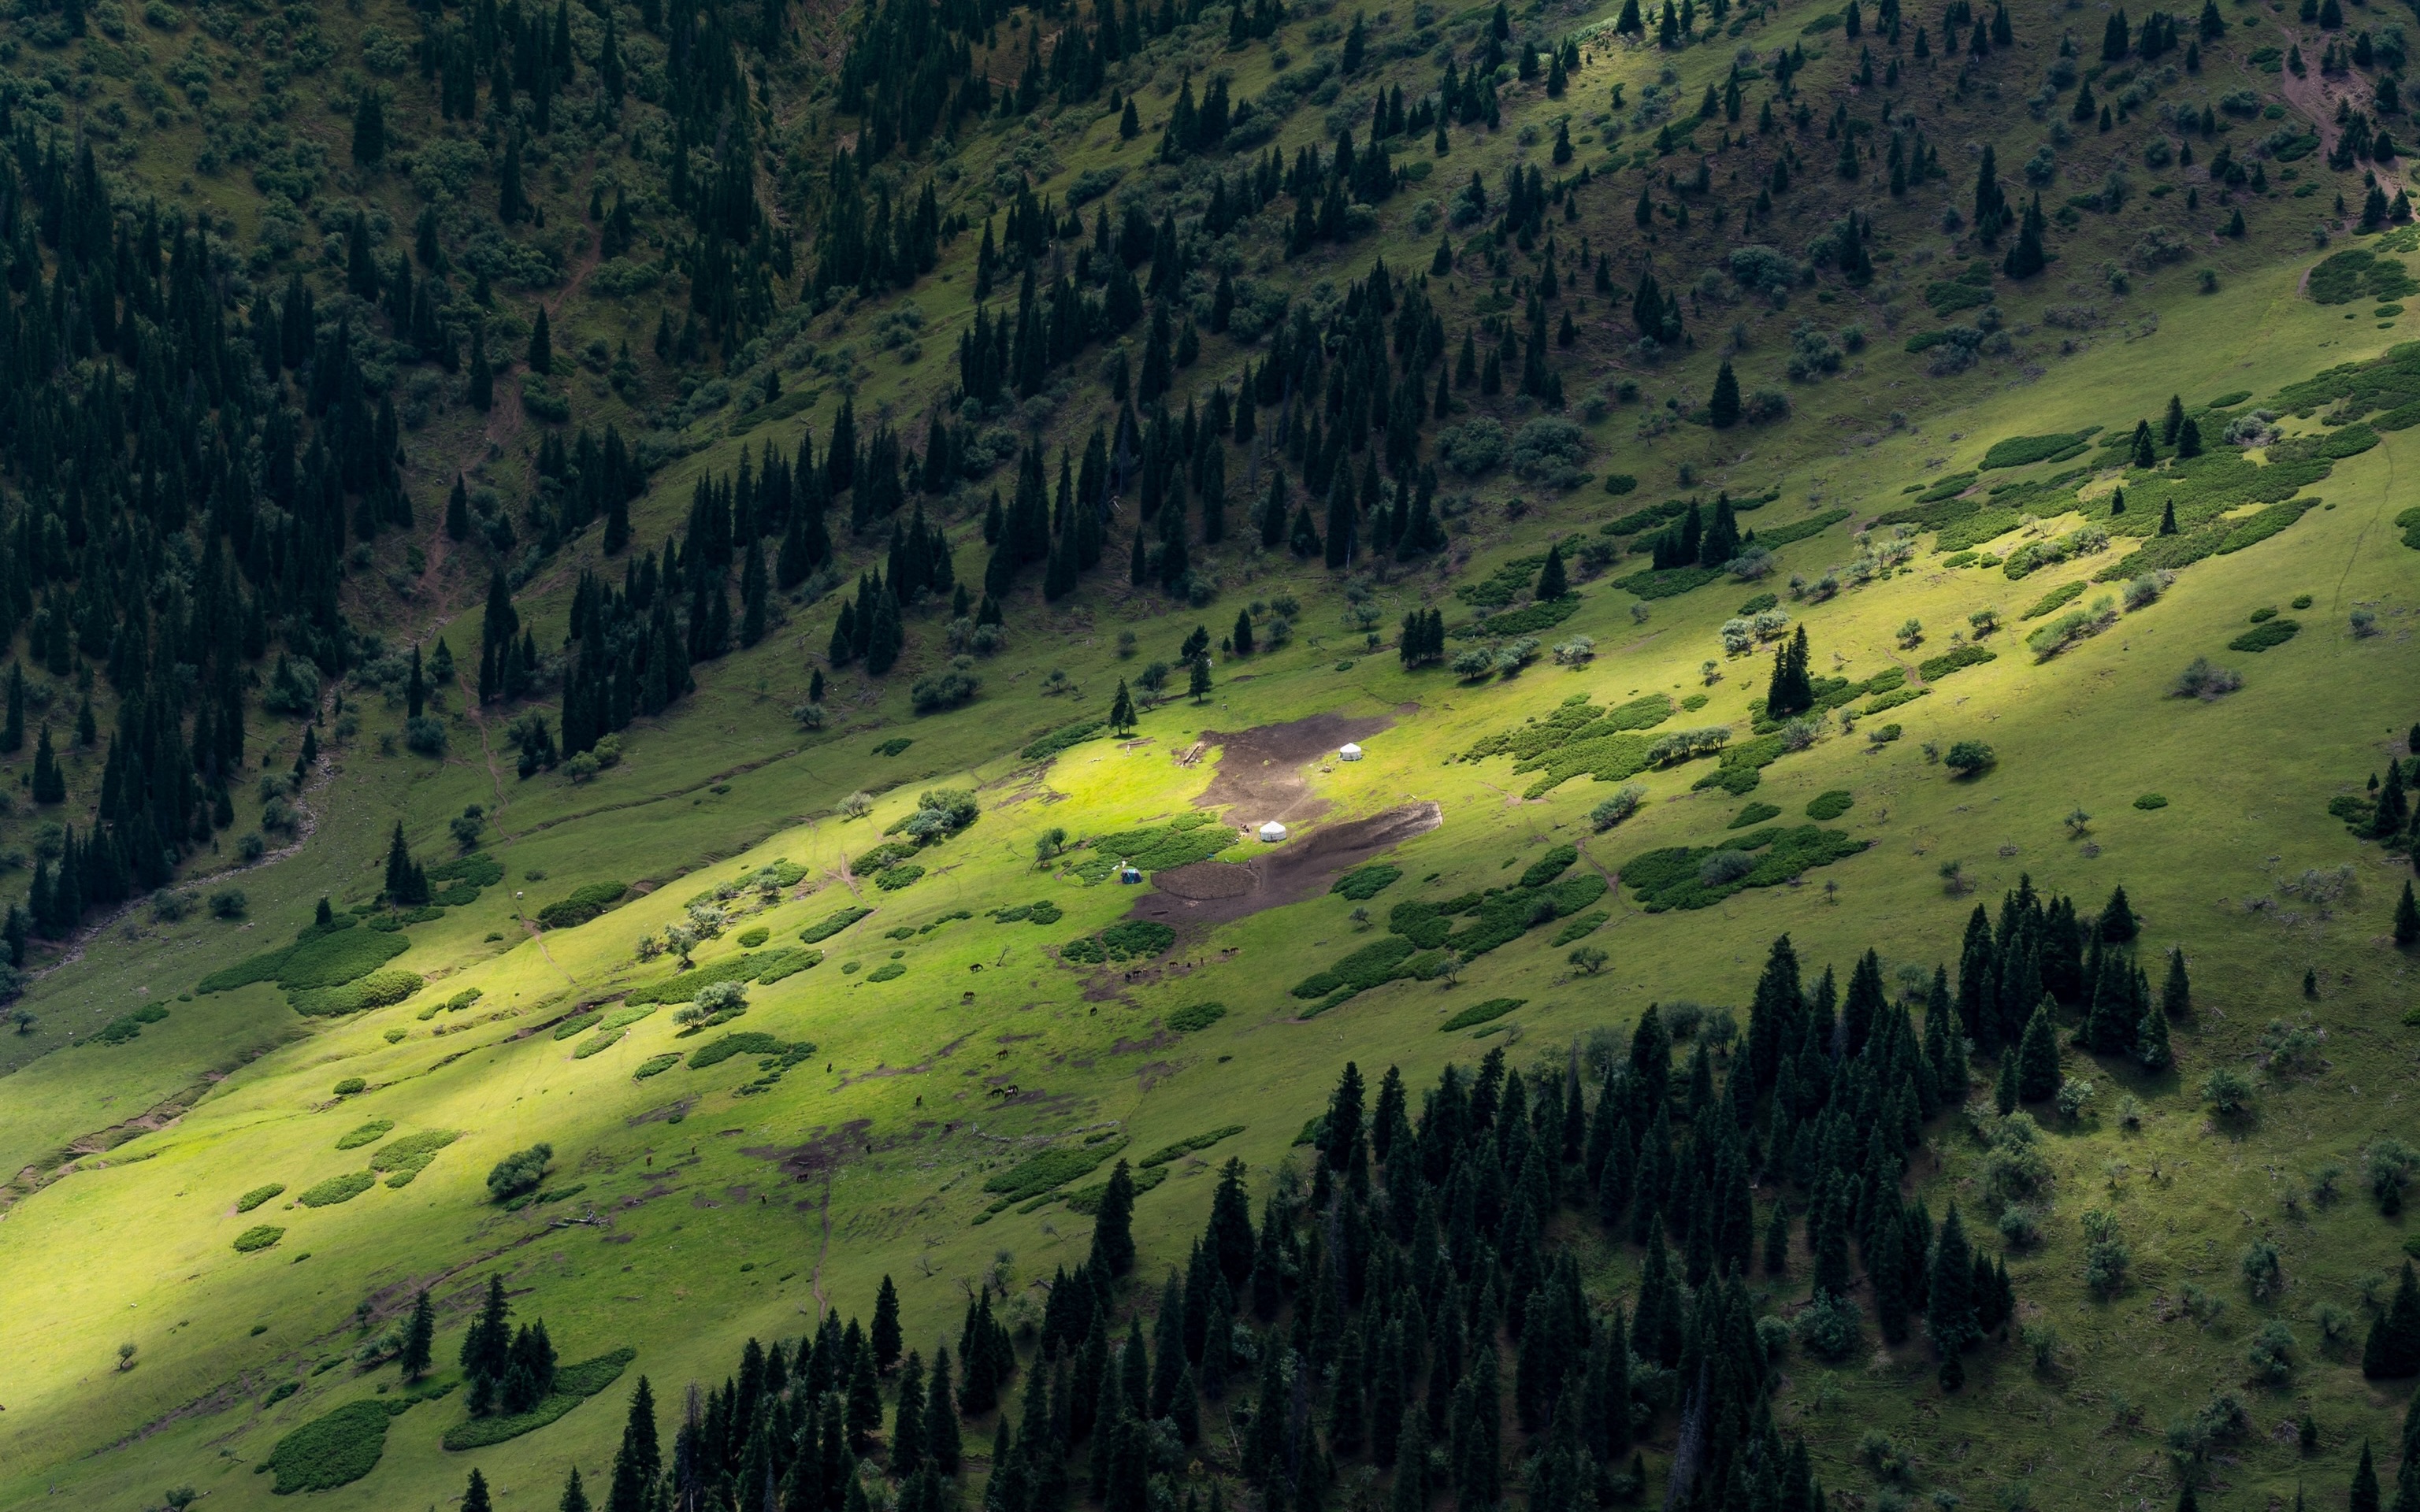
(928, 1078)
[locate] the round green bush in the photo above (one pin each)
(1831, 805)
(349, 1086)
(751, 938)
(258, 1237)
(888, 971)
(2151, 800)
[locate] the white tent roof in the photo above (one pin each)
(1273, 831)
(1350, 751)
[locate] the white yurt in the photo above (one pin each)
(1348, 752)
(1272, 832)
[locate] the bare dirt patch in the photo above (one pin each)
(1261, 770)
(1191, 895)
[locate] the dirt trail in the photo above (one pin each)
(1260, 771)
(1219, 892)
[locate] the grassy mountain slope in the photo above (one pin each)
(869, 1155)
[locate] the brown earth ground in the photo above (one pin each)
(1217, 892)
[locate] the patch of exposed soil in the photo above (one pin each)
(1281, 874)
(1207, 881)
(824, 1152)
(1261, 770)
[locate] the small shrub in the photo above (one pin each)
(1826, 807)
(1967, 758)
(229, 902)
(1830, 1328)
(2264, 1276)
(1621, 805)
(2271, 1354)
(2106, 1257)
(2226, 1092)
(349, 1086)
(519, 1172)
(2388, 1164)
(258, 1237)
(257, 1195)
(2203, 681)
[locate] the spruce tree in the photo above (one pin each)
(2393, 1347)
(574, 1498)
(49, 785)
(1724, 408)
(908, 1433)
(1553, 581)
(2003, 1088)
(2363, 1495)
(1121, 709)
(639, 1461)
(482, 383)
(942, 1444)
(12, 734)
(2407, 919)
(418, 1336)
(2038, 1056)
(885, 1336)
(369, 129)
(2151, 1047)
(474, 1495)
(2176, 993)
(1113, 1245)
(1949, 1310)
(2117, 924)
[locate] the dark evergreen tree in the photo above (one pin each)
(1113, 1245)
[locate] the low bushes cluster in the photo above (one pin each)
(1194, 1018)
(1043, 912)
(1165, 847)
(127, 1026)
(573, 1384)
(1478, 1013)
(1132, 939)
(519, 1172)
(380, 989)
(1364, 883)
(1826, 807)
(332, 1450)
(1934, 668)
(748, 1042)
(2265, 635)
(1687, 876)
(260, 1194)
(1047, 1171)
(832, 924)
(258, 1237)
(404, 1159)
(336, 1189)
(1043, 747)
(585, 904)
(368, 1133)
(1187, 1147)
